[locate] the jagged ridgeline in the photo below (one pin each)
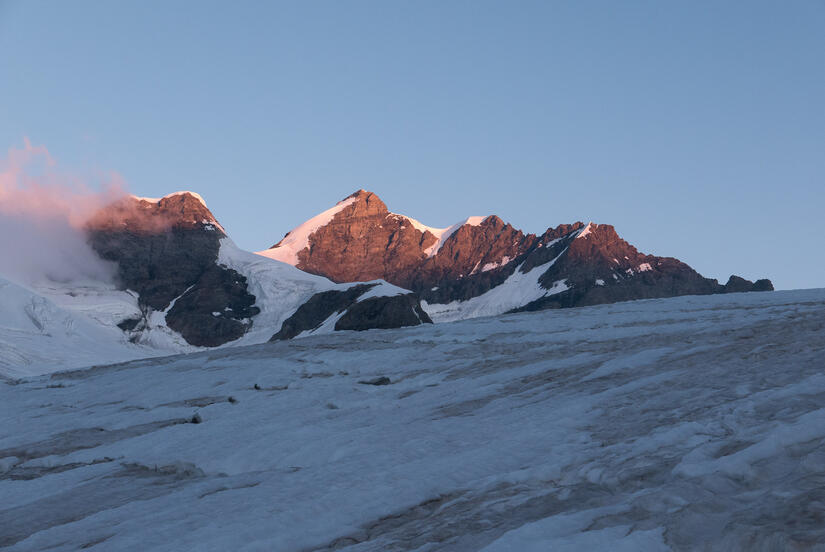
(483, 265)
(359, 266)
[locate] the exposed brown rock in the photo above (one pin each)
(139, 216)
(365, 241)
(603, 268)
(469, 249)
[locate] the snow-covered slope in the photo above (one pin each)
(440, 233)
(39, 336)
(298, 238)
(519, 289)
(693, 423)
(58, 326)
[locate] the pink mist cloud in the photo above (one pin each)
(42, 213)
(32, 185)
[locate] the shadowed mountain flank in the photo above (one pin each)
(166, 250)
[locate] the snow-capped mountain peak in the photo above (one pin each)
(168, 196)
(360, 239)
(297, 239)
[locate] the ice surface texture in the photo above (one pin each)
(676, 424)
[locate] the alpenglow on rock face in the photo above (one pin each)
(484, 266)
(178, 259)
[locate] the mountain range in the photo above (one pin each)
(484, 266)
(182, 284)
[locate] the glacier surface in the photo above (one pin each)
(676, 424)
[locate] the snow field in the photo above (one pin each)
(674, 424)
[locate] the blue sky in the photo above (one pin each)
(696, 128)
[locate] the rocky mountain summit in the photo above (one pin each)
(482, 265)
(166, 251)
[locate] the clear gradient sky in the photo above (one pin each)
(696, 128)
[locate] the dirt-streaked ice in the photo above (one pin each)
(695, 423)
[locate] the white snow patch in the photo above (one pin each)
(38, 336)
(382, 288)
(55, 326)
(441, 233)
(157, 199)
(491, 266)
(298, 238)
(516, 291)
(326, 327)
(644, 267)
(279, 288)
(584, 232)
(599, 282)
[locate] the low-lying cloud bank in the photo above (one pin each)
(43, 210)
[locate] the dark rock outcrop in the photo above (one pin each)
(599, 267)
(129, 324)
(737, 284)
(380, 380)
(763, 284)
(215, 310)
(161, 248)
(386, 312)
(396, 311)
(166, 251)
(317, 309)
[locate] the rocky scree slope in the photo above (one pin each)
(360, 239)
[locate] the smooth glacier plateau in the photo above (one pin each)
(676, 424)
